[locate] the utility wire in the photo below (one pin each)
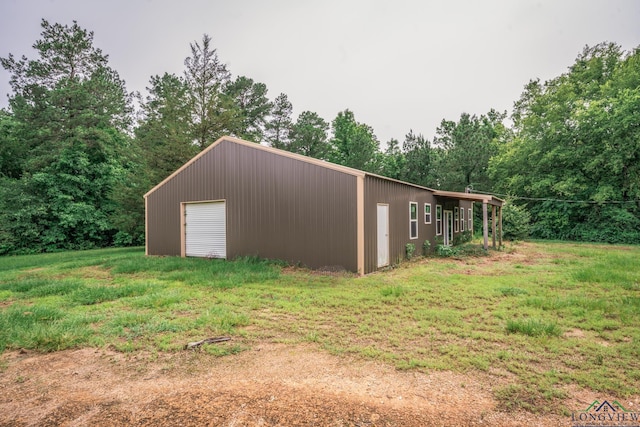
(545, 199)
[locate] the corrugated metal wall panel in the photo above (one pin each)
(397, 196)
(163, 222)
(277, 207)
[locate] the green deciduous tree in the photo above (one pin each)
(71, 113)
(577, 138)
(13, 153)
(467, 146)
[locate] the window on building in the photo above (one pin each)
(461, 219)
(470, 219)
(456, 219)
(427, 213)
(438, 220)
(413, 220)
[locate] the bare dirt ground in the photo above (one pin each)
(268, 385)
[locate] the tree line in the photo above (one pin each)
(78, 151)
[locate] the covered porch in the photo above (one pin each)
(486, 200)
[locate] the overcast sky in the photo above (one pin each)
(397, 64)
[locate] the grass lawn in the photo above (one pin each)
(538, 317)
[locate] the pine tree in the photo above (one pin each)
(252, 108)
(308, 136)
(278, 127)
(212, 112)
(354, 144)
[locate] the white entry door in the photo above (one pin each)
(205, 230)
(448, 228)
(383, 235)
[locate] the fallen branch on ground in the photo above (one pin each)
(197, 344)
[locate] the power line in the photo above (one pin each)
(548, 199)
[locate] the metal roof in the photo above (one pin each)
(483, 198)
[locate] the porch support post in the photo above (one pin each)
(500, 226)
(493, 226)
(485, 225)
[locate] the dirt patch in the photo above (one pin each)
(94, 272)
(579, 333)
(575, 333)
(269, 385)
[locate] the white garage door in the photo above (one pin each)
(205, 230)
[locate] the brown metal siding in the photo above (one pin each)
(448, 204)
(277, 207)
(397, 196)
